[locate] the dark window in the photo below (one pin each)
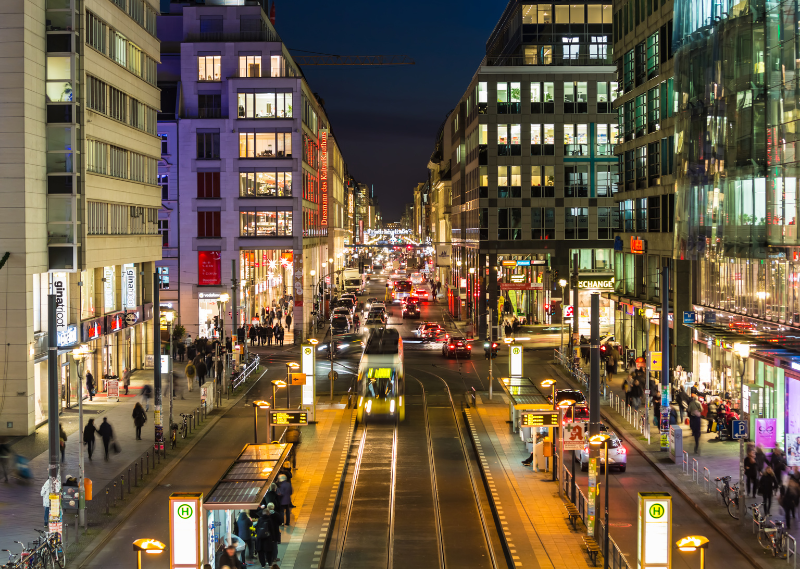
(654, 213)
(509, 221)
(210, 25)
(640, 63)
(543, 223)
(653, 166)
(641, 214)
(577, 181)
(164, 146)
(208, 224)
(607, 222)
(209, 106)
(576, 223)
(629, 72)
(208, 184)
(627, 216)
(163, 181)
(207, 145)
(163, 230)
(652, 55)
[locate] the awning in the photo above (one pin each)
(524, 394)
(248, 479)
(765, 344)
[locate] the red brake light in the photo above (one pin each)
(452, 347)
(494, 345)
(469, 347)
(621, 450)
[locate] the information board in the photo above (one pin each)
(288, 417)
(574, 436)
(655, 530)
(112, 388)
(539, 419)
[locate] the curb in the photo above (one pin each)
(106, 534)
(698, 508)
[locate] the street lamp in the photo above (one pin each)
(148, 546)
(562, 283)
(260, 404)
(692, 543)
(290, 367)
(597, 440)
(79, 354)
(743, 351)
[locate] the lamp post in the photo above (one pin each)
(79, 354)
(260, 404)
(562, 283)
(597, 440)
(743, 351)
(148, 546)
(692, 543)
(290, 367)
(322, 303)
(562, 406)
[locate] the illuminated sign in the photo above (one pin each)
(597, 283)
(129, 282)
(517, 278)
(539, 420)
(638, 245)
(109, 288)
(115, 322)
(297, 378)
(655, 530)
(509, 263)
(524, 263)
(568, 311)
(92, 329)
(288, 417)
(62, 305)
(515, 361)
(379, 373)
(184, 526)
(655, 361)
(521, 286)
(323, 176)
(68, 336)
(307, 367)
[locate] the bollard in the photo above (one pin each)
(135, 477)
(77, 529)
(158, 454)
(107, 505)
(147, 462)
(114, 494)
(129, 479)
(122, 487)
(141, 468)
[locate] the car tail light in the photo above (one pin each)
(452, 347)
(621, 450)
(469, 347)
(494, 345)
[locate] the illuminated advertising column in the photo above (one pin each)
(514, 360)
(307, 365)
(655, 531)
(184, 530)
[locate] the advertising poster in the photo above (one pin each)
(766, 433)
(793, 449)
(209, 268)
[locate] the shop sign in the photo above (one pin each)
(709, 317)
(597, 283)
(323, 176)
(129, 284)
(132, 317)
(68, 336)
(766, 433)
(61, 293)
(92, 329)
(209, 268)
(209, 295)
(509, 263)
(521, 286)
(115, 322)
(443, 254)
(517, 278)
(524, 263)
(463, 283)
(638, 246)
(689, 317)
(567, 311)
(109, 287)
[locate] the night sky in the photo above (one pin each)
(386, 118)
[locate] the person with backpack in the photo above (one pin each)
(264, 540)
(139, 419)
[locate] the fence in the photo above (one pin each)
(252, 365)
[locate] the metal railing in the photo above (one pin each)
(239, 379)
(685, 462)
(706, 480)
(791, 550)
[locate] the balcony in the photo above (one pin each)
(555, 58)
(260, 36)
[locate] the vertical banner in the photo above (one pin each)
(664, 419)
(515, 361)
(129, 286)
(60, 288)
(109, 289)
(591, 498)
(307, 366)
(323, 176)
(655, 531)
(184, 530)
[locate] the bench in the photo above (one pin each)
(573, 514)
(592, 548)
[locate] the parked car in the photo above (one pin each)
(575, 395)
(343, 311)
(411, 310)
(456, 346)
(340, 324)
(617, 453)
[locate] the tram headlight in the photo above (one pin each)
(391, 406)
(360, 399)
(369, 406)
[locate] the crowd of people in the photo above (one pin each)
(765, 477)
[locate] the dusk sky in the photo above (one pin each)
(386, 118)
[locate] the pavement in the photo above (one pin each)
(21, 508)
(721, 458)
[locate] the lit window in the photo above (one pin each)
(249, 66)
(209, 68)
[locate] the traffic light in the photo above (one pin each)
(216, 322)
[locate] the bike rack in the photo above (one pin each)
(685, 463)
(695, 472)
(791, 550)
(706, 480)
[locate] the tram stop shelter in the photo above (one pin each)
(240, 489)
(524, 395)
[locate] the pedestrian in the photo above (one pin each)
(751, 473)
(228, 344)
(790, 500)
(711, 414)
(243, 523)
(288, 321)
(191, 352)
(268, 332)
(228, 559)
(285, 492)
(62, 440)
(210, 362)
(683, 404)
(766, 487)
(139, 419)
(89, 384)
(147, 391)
(761, 458)
(275, 518)
(202, 370)
(106, 433)
(695, 412)
(126, 379)
(778, 464)
(626, 389)
(252, 335)
(636, 394)
(181, 352)
(264, 540)
(45, 492)
(88, 437)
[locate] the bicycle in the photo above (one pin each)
(185, 425)
(772, 535)
(730, 495)
(53, 545)
(173, 435)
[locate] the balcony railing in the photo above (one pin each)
(551, 59)
(315, 232)
(262, 35)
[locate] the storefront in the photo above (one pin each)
(523, 287)
(207, 308)
(264, 274)
(636, 324)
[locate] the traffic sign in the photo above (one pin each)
(540, 419)
(739, 429)
(574, 436)
(288, 417)
(298, 378)
(567, 311)
(689, 317)
(655, 361)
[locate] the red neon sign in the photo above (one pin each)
(323, 175)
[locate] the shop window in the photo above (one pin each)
(543, 181)
(209, 68)
(208, 184)
(208, 224)
(577, 181)
(576, 223)
(543, 223)
(509, 221)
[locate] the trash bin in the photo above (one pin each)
(87, 489)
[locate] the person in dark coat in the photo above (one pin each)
(210, 362)
(288, 321)
(751, 473)
(191, 352)
(761, 458)
(89, 384)
(88, 437)
(228, 558)
(252, 335)
(269, 330)
(285, 492)
(106, 433)
(202, 370)
(139, 419)
(275, 519)
(778, 464)
(264, 540)
(228, 345)
(243, 523)
(766, 487)
(695, 413)
(790, 500)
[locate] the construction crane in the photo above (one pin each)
(326, 59)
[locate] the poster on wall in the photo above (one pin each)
(209, 268)
(443, 253)
(109, 288)
(793, 449)
(766, 433)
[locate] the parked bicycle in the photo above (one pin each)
(772, 536)
(53, 545)
(185, 425)
(730, 495)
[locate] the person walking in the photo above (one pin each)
(751, 473)
(288, 321)
(106, 433)
(147, 391)
(285, 492)
(711, 415)
(275, 519)
(88, 437)
(268, 332)
(243, 523)
(202, 370)
(695, 412)
(228, 558)
(181, 352)
(139, 419)
(252, 335)
(761, 458)
(126, 379)
(47, 489)
(62, 440)
(89, 384)
(790, 500)
(778, 464)
(191, 352)
(264, 543)
(766, 487)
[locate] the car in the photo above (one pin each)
(378, 313)
(456, 346)
(374, 322)
(571, 394)
(346, 303)
(342, 311)
(421, 293)
(351, 296)
(617, 453)
(340, 324)
(368, 303)
(417, 278)
(412, 299)
(432, 331)
(380, 305)
(345, 345)
(577, 414)
(411, 310)
(421, 328)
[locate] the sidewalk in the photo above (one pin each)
(21, 508)
(721, 458)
